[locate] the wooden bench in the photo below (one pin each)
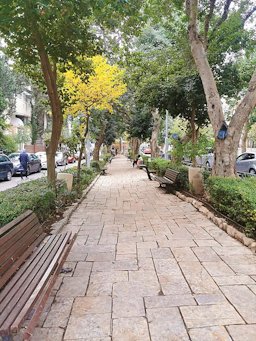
(169, 179)
(29, 265)
(148, 171)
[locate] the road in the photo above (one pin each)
(16, 180)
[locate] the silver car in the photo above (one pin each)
(246, 163)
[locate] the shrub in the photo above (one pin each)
(236, 199)
(160, 165)
(34, 195)
(86, 177)
(39, 197)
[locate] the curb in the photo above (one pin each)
(220, 222)
(58, 226)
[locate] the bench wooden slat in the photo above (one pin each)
(16, 229)
(8, 273)
(23, 289)
(19, 246)
(5, 229)
(169, 178)
(52, 270)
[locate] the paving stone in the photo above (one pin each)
(167, 267)
(197, 277)
(47, 334)
(99, 289)
(128, 307)
(108, 276)
(252, 288)
(91, 339)
(242, 333)
(210, 315)
(206, 242)
(218, 268)
(206, 254)
(146, 245)
(169, 301)
(244, 268)
(132, 257)
(124, 248)
(100, 256)
(162, 253)
(146, 264)
(144, 253)
(174, 285)
(100, 249)
(209, 334)
(143, 276)
(231, 280)
(108, 239)
(91, 305)
(59, 313)
(237, 258)
(130, 329)
(73, 286)
(83, 269)
(177, 243)
(243, 299)
(137, 289)
(115, 265)
(166, 324)
(94, 325)
(232, 250)
(183, 254)
(215, 298)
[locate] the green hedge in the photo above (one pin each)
(160, 165)
(236, 199)
(34, 195)
(39, 197)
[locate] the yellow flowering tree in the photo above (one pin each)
(99, 90)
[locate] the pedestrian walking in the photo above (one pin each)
(137, 161)
(24, 159)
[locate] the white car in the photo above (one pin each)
(42, 156)
(61, 159)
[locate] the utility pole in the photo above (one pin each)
(166, 143)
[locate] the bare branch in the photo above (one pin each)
(223, 17)
(249, 14)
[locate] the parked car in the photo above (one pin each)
(34, 164)
(61, 159)
(43, 158)
(71, 159)
(206, 160)
(6, 168)
(246, 163)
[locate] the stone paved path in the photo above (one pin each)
(148, 266)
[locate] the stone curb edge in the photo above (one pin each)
(220, 222)
(58, 226)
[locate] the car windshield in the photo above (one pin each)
(14, 157)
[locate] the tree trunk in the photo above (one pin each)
(50, 77)
(98, 143)
(245, 137)
(155, 132)
(225, 150)
(82, 141)
(135, 144)
(193, 135)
